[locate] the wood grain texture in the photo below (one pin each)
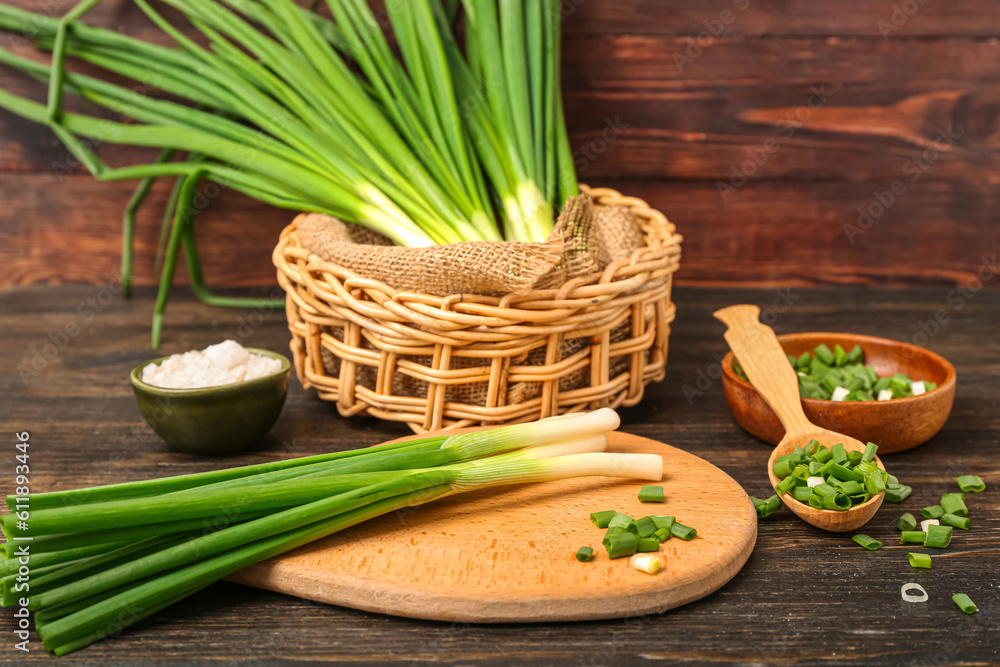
(48, 232)
(506, 555)
(688, 17)
(705, 107)
(633, 111)
(86, 429)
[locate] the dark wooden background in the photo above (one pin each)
(697, 88)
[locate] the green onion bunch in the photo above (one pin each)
(447, 141)
(104, 557)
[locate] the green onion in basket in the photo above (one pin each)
(435, 145)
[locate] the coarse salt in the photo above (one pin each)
(225, 363)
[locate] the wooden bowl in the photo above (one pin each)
(893, 425)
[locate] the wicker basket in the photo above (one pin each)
(450, 362)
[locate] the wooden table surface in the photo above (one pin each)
(804, 597)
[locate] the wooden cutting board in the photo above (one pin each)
(507, 554)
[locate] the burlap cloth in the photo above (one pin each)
(586, 238)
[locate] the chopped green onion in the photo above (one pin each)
(765, 508)
(611, 532)
(954, 503)
(919, 560)
(971, 483)
(867, 542)
(824, 354)
(651, 494)
(836, 501)
(621, 545)
(860, 499)
(898, 494)
(643, 527)
(867, 468)
(938, 537)
(844, 474)
(839, 375)
(892, 482)
(912, 537)
(602, 519)
(964, 603)
(661, 534)
(823, 455)
(849, 488)
(584, 554)
(874, 483)
(932, 512)
(686, 533)
(782, 469)
(785, 485)
(962, 522)
(824, 490)
(648, 544)
(802, 493)
(854, 480)
(644, 562)
(919, 596)
(620, 520)
(869, 453)
(839, 355)
(906, 522)
(663, 521)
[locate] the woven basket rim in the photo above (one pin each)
(662, 241)
(435, 345)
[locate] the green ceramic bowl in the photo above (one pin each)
(214, 420)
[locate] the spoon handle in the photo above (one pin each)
(764, 362)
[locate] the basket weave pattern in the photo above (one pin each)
(462, 360)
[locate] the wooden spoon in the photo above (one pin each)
(764, 362)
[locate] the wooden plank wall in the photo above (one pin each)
(792, 141)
